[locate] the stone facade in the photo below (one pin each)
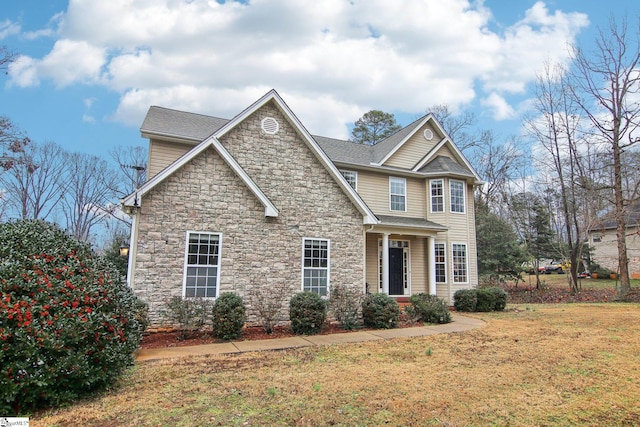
(206, 195)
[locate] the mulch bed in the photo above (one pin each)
(172, 339)
(517, 295)
(531, 295)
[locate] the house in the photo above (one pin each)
(258, 201)
(604, 242)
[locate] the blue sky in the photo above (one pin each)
(87, 71)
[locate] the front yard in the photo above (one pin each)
(564, 364)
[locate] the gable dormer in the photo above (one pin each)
(416, 145)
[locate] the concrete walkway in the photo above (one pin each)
(459, 324)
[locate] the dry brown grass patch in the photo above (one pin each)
(537, 365)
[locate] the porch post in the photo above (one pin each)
(385, 263)
(431, 260)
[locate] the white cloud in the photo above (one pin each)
(498, 106)
(8, 28)
(333, 59)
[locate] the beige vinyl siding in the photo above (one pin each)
(413, 150)
(162, 154)
(372, 262)
(605, 252)
(418, 247)
(374, 190)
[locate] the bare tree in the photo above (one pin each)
(89, 196)
(132, 163)
(606, 85)
(12, 144)
(6, 57)
(557, 127)
(34, 192)
(460, 127)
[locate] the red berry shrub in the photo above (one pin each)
(67, 322)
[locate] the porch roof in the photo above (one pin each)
(408, 223)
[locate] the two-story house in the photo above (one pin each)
(258, 201)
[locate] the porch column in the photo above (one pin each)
(385, 263)
(431, 260)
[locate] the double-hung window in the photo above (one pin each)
(437, 195)
(459, 262)
(456, 190)
(441, 263)
(315, 266)
(398, 194)
(351, 177)
(202, 265)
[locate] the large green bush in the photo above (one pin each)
(485, 300)
(228, 316)
(430, 308)
(465, 300)
(67, 323)
(499, 297)
(307, 312)
(380, 311)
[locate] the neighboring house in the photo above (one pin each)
(256, 201)
(604, 242)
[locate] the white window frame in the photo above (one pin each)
(441, 195)
(454, 263)
(351, 177)
(392, 180)
(197, 265)
(312, 268)
(443, 263)
(453, 199)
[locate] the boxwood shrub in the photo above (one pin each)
(67, 320)
(228, 316)
(481, 299)
(380, 311)
(465, 300)
(307, 312)
(430, 308)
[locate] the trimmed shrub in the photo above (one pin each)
(228, 316)
(268, 304)
(465, 300)
(142, 314)
(430, 309)
(307, 312)
(67, 320)
(345, 305)
(486, 300)
(380, 311)
(189, 314)
(499, 297)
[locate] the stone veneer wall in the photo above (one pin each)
(206, 195)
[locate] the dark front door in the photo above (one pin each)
(396, 282)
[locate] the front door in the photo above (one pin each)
(396, 267)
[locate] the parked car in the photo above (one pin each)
(555, 267)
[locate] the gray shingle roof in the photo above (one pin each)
(409, 222)
(166, 121)
(444, 165)
(197, 127)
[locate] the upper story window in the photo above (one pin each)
(315, 266)
(437, 195)
(202, 265)
(456, 190)
(398, 194)
(351, 177)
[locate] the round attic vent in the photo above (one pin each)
(428, 134)
(270, 125)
